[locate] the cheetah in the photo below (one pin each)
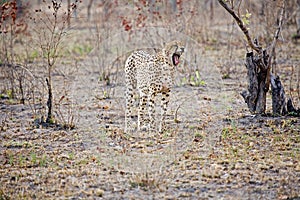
(150, 75)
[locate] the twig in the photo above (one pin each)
(178, 107)
(241, 25)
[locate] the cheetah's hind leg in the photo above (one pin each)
(165, 98)
(130, 82)
(129, 123)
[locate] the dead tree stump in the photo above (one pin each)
(255, 97)
(258, 86)
(278, 96)
(291, 109)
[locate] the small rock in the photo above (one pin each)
(99, 192)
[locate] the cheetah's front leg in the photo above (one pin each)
(142, 121)
(164, 105)
(153, 90)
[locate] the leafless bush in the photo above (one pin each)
(50, 25)
(12, 28)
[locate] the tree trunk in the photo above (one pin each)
(49, 102)
(255, 97)
(298, 17)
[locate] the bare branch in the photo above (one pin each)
(274, 42)
(241, 25)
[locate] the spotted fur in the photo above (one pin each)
(150, 75)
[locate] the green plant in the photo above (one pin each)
(105, 94)
(9, 93)
(33, 55)
(246, 18)
(11, 159)
(43, 160)
(33, 158)
(21, 160)
(71, 155)
(194, 79)
(143, 180)
(81, 50)
(228, 131)
(198, 135)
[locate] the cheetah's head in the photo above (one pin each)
(174, 50)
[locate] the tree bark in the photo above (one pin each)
(49, 102)
(298, 17)
(278, 96)
(255, 97)
(291, 109)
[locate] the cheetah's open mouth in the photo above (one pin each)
(175, 59)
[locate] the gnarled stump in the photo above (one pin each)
(278, 96)
(255, 97)
(291, 109)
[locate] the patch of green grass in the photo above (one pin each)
(81, 49)
(11, 159)
(43, 161)
(199, 135)
(71, 156)
(9, 93)
(33, 158)
(40, 160)
(230, 130)
(105, 95)
(226, 132)
(83, 161)
(21, 160)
